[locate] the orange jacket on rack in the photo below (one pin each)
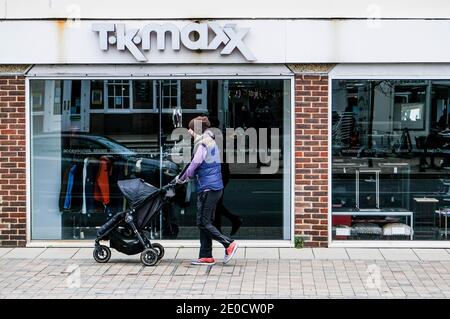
(101, 192)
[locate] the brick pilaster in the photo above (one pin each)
(311, 159)
(12, 161)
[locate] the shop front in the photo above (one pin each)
(87, 133)
(326, 141)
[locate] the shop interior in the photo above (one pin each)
(390, 159)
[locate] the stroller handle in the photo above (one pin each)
(171, 184)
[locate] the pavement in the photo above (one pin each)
(253, 273)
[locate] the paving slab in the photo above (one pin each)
(330, 253)
(364, 254)
(84, 253)
(219, 253)
(24, 253)
(294, 253)
(4, 251)
(118, 256)
(58, 253)
(262, 253)
(187, 253)
(432, 254)
(170, 253)
(398, 254)
(261, 278)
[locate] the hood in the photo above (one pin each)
(136, 191)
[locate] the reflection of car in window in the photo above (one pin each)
(65, 151)
(52, 146)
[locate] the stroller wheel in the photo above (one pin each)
(159, 249)
(149, 257)
(102, 254)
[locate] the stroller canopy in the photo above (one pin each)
(136, 191)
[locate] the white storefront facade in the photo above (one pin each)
(357, 94)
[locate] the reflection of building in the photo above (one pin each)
(357, 108)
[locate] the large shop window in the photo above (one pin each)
(390, 159)
(86, 135)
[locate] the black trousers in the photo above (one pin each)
(206, 207)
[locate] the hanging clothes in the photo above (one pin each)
(102, 190)
(85, 164)
(90, 169)
(77, 189)
(71, 188)
(64, 184)
(70, 182)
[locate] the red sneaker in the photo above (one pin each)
(230, 251)
(203, 261)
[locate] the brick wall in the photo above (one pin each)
(311, 159)
(12, 161)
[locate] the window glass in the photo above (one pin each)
(38, 95)
(168, 93)
(83, 143)
(75, 100)
(143, 94)
(390, 159)
(58, 98)
(118, 94)
(97, 94)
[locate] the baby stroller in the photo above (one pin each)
(126, 230)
